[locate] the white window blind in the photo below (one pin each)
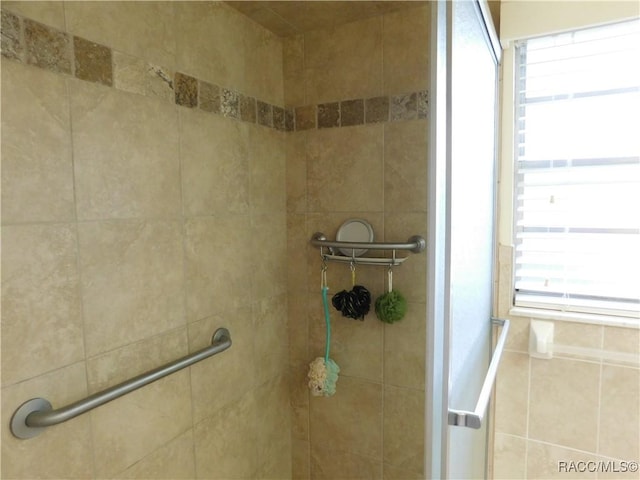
(577, 225)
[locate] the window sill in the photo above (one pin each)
(607, 320)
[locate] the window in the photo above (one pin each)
(577, 220)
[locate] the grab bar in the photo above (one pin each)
(462, 418)
(33, 416)
(416, 244)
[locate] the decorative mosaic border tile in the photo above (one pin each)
(33, 43)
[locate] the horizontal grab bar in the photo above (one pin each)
(33, 416)
(462, 418)
(416, 244)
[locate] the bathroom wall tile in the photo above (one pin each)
(377, 109)
(47, 48)
(329, 115)
(267, 164)
(300, 468)
(173, 460)
(298, 329)
(135, 75)
(210, 43)
(518, 338)
(121, 364)
(263, 64)
(344, 61)
(623, 340)
(561, 392)
(215, 164)
(403, 107)
(330, 464)
(509, 457)
(209, 98)
(265, 114)
(92, 61)
(132, 280)
(41, 312)
(128, 429)
(391, 472)
(271, 348)
(350, 421)
(405, 166)
(279, 118)
(230, 103)
(345, 169)
(293, 70)
(512, 394)
(423, 104)
(220, 381)
(299, 394)
(186, 90)
(125, 154)
(406, 50)
(619, 432)
(268, 257)
(404, 349)
(404, 428)
(351, 112)
(578, 335)
(63, 451)
(217, 277)
(48, 12)
(274, 444)
(543, 461)
(297, 247)
(296, 171)
(11, 46)
(37, 173)
(221, 447)
(248, 112)
(125, 26)
(289, 119)
(305, 117)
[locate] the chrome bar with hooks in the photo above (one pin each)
(33, 416)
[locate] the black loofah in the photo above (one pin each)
(353, 304)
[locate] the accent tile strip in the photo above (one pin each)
(36, 44)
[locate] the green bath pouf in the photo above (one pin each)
(391, 307)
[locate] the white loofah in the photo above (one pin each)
(317, 376)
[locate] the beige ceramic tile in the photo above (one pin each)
(406, 50)
(37, 173)
(297, 253)
(577, 335)
(345, 169)
(563, 403)
(404, 428)
(273, 439)
(300, 460)
(620, 413)
(509, 457)
(268, 255)
(553, 461)
(518, 338)
(504, 280)
(221, 447)
(131, 427)
(330, 464)
(135, 75)
(173, 460)
(349, 421)
(218, 272)
(270, 345)
(220, 381)
(124, 363)
(132, 279)
(404, 349)
(50, 12)
(41, 312)
(623, 340)
(215, 164)
(267, 167)
(512, 394)
(209, 43)
(263, 64)
(125, 26)
(344, 62)
(296, 183)
(293, 70)
(62, 451)
(391, 472)
(125, 154)
(405, 166)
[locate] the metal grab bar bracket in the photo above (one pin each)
(462, 418)
(35, 415)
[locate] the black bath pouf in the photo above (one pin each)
(353, 304)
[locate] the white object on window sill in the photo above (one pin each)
(607, 320)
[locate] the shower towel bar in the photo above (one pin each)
(416, 244)
(33, 416)
(473, 419)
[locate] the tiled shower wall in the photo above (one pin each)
(373, 168)
(144, 206)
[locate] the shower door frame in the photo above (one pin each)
(439, 228)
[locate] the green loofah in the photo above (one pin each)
(391, 307)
